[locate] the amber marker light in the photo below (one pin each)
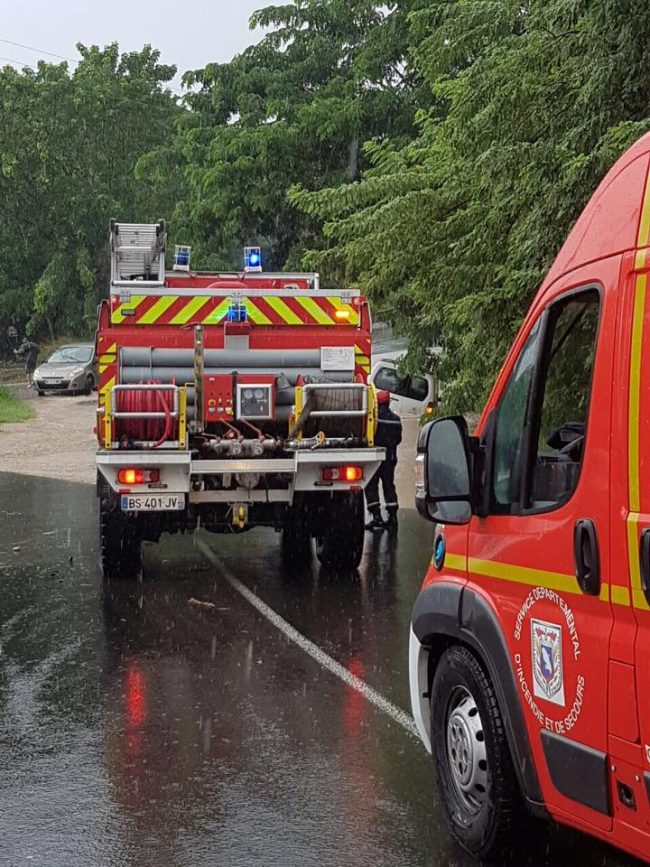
(342, 474)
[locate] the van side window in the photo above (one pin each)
(560, 424)
(541, 421)
(510, 424)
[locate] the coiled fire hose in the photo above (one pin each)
(158, 430)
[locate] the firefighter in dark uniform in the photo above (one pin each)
(388, 436)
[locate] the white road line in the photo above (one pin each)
(325, 660)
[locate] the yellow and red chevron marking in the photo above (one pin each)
(107, 378)
(362, 356)
(209, 310)
(107, 368)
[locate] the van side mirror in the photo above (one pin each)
(443, 491)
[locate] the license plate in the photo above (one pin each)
(153, 502)
(53, 381)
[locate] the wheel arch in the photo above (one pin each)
(446, 613)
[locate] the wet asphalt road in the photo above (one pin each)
(139, 729)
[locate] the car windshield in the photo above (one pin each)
(80, 354)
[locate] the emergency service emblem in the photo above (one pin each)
(548, 674)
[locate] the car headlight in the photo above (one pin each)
(76, 372)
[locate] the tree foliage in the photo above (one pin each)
(69, 145)
(295, 108)
(452, 233)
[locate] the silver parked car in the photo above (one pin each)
(70, 369)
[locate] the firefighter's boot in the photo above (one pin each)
(391, 521)
(376, 523)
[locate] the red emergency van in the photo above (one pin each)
(530, 641)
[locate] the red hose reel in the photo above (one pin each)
(143, 400)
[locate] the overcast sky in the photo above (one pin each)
(189, 33)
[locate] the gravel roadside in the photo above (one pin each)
(60, 444)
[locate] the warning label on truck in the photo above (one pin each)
(337, 358)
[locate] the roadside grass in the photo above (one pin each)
(12, 408)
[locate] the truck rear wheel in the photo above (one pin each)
(341, 532)
(121, 542)
(296, 533)
(476, 777)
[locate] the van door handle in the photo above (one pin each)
(644, 562)
(586, 556)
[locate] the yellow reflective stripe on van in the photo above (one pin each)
(643, 238)
(457, 562)
(559, 581)
(638, 596)
(620, 595)
(634, 403)
(634, 398)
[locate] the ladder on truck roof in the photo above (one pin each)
(137, 253)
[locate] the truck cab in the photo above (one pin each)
(529, 647)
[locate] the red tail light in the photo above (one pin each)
(342, 474)
(137, 476)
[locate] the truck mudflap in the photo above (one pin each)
(179, 472)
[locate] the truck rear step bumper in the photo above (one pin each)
(178, 470)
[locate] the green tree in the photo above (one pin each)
(297, 107)
(69, 146)
(452, 233)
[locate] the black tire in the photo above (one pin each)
(89, 384)
(342, 532)
(474, 768)
(40, 393)
(120, 542)
(296, 533)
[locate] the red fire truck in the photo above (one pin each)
(227, 401)
(529, 657)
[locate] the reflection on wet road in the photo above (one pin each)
(138, 727)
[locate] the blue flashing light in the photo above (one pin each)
(252, 259)
(182, 258)
(237, 311)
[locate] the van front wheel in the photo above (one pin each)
(476, 777)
